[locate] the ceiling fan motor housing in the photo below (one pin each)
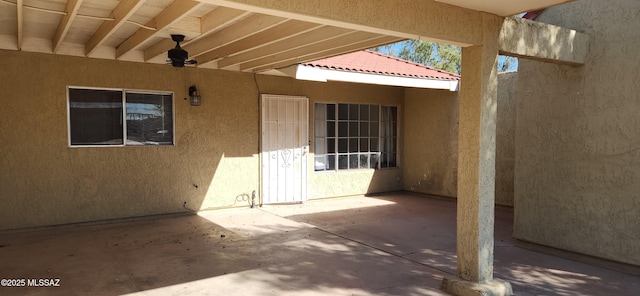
(178, 56)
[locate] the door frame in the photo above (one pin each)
(304, 164)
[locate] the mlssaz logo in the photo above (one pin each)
(43, 282)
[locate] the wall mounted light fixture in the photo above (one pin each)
(194, 95)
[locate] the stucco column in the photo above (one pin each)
(476, 168)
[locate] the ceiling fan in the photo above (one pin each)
(177, 56)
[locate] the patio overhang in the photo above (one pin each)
(262, 35)
(252, 35)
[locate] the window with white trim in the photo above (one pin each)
(117, 117)
(355, 136)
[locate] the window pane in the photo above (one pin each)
(364, 161)
(374, 160)
(343, 145)
(353, 129)
(375, 131)
(95, 117)
(394, 113)
(343, 162)
(375, 112)
(353, 161)
(354, 112)
(331, 111)
(394, 144)
(149, 119)
(374, 145)
(364, 129)
(320, 146)
(331, 145)
(320, 112)
(343, 112)
(392, 161)
(343, 129)
(331, 162)
(331, 128)
(353, 145)
(364, 112)
(320, 129)
(320, 163)
(384, 160)
(364, 145)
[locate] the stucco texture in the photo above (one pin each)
(43, 181)
(431, 145)
(46, 182)
(577, 177)
(431, 130)
(505, 137)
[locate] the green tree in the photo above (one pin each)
(440, 56)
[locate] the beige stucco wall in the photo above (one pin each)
(431, 145)
(505, 137)
(577, 172)
(45, 182)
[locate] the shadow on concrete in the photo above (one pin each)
(248, 252)
(399, 244)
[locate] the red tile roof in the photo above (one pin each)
(371, 62)
(531, 15)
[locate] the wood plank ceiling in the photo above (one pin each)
(137, 30)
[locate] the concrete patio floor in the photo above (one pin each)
(393, 244)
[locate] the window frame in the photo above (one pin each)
(124, 92)
(336, 120)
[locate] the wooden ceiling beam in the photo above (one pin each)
(317, 35)
(328, 51)
(214, 20)
(242, 29)
(20, 18)
(220, 17)
(309, 49)
(121, 13)
(65, 23)
(170, 15)
(279, 32)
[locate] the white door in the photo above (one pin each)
(285, 147)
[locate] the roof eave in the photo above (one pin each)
(310, 73)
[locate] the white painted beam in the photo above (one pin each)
(309, 52)
(274, 34)
(318, 35)
(169, 16)
(407, 19)
(65, 23)
(121, 14)
(218, 18)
